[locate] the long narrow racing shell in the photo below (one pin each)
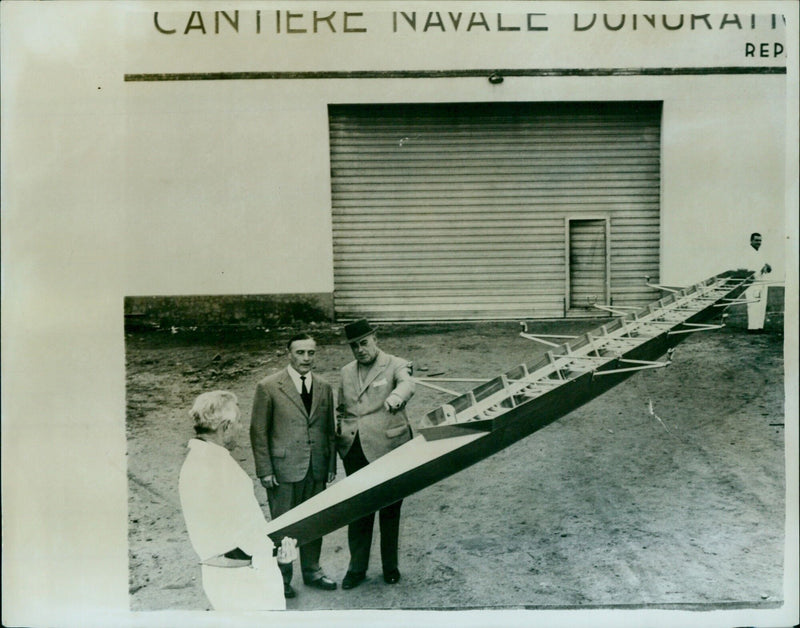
(500, 412)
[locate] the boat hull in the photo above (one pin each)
(420, 462)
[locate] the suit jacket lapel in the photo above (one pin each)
(377, 368)
(287, 386)
(350, 378)
(316, 395)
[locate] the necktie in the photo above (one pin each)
(305, 394)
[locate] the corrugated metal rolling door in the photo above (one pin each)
(458, 211)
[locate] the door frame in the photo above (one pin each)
(606, 217)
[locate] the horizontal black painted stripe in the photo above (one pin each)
(479, 73)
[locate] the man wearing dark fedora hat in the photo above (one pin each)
(374, 390)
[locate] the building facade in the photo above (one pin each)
(450, 174)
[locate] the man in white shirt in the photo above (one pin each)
(756, 294)
(226, 526)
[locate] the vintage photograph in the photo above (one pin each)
(400, 308)
(433, 212)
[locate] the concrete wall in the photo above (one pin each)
(234, 198)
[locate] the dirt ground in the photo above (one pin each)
(667, 492)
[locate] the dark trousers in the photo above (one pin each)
(284, 497)
(359, 533)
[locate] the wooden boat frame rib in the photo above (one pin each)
(498, 412)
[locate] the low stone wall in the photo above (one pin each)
(274, 310)
(245, 311)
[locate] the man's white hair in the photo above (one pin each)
(208, 412)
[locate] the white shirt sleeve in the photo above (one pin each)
(756, 261)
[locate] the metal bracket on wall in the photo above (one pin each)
(658, 286)
(538, 337)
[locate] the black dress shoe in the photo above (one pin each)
(391, 577)
(323, 582)
(352, 579)
(288, 591)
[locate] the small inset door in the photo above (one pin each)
(587, 263)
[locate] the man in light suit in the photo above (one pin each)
(373, 393)
(293, 436)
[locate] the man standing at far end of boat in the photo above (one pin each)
(374, 390)
(292, 433)
(756, 294)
